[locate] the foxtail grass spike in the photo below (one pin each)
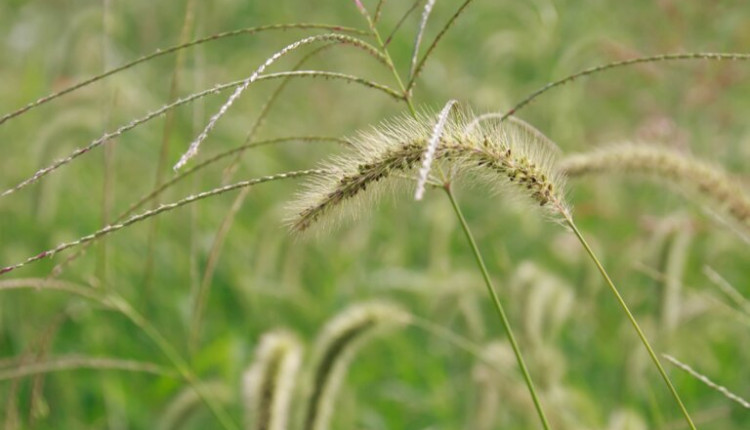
(269, 382)
(334, 351)
(690, 173)
(506, 156)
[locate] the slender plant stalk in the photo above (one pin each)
(107, 137)
(406, 90)
(703, 378)
(498, 306)
(401, 21)
(171, 49)
(720, 56)
(389, 62)
(108, 161)
(434, 43)
(58, 269)
(631, 318)
(160, 209)
(194, 147)
(378, 10)
(72, 363)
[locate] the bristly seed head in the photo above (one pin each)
(510, 155)
(696, 176)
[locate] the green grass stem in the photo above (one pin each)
(631, 318)
(498, 307)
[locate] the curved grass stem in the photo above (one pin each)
(171, 49)
(498, 307)
(160, 209)
(631, 318)
(712, 56)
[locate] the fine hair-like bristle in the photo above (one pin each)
(508, 155)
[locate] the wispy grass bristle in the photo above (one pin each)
(334, 350)
(269, 382)
(696, 176)
(507, 156)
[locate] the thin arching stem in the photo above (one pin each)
(498, 306)
(640, 60)
(160, 209)
(57, 270)
(109, 136)
(631, 318)
(401, 21)
(169, 50)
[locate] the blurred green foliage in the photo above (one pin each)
(591, 369)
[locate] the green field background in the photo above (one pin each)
(591, 369)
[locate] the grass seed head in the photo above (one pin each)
(510, 156)
(691, 174)
(335, 349)
(269, 382)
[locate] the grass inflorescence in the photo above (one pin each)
(690, 173)
(425, 150)
(506, 156)
(334, 350)
(268, 384)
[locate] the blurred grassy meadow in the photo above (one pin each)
(668, 254)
